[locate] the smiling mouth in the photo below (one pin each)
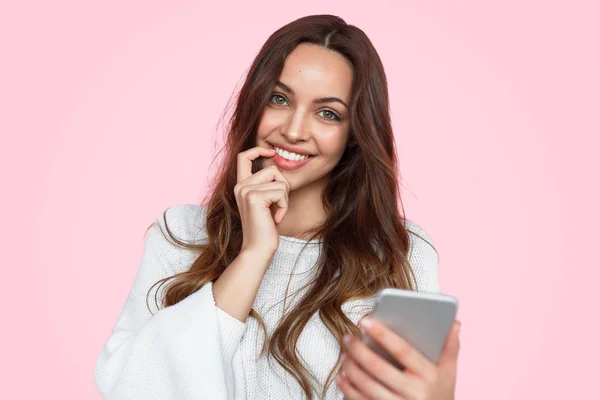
(290, 156)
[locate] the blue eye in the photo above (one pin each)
(334, 116)
(278, 96)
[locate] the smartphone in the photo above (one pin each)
(423, 319)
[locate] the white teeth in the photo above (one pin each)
(290, 156)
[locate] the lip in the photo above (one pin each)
(288, 164)
(292, 149)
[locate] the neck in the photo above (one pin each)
(305, 212)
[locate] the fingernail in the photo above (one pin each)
(366, 323)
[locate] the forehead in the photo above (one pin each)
(316, 71)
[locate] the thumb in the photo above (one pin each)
(449, 357)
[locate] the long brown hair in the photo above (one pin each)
(364, 238)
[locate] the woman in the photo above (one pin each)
(300, 231)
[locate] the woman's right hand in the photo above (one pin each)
(254, 195)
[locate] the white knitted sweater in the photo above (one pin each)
(195, 350)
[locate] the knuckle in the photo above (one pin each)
(253, 197)
(251, 194)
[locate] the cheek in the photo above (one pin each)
(333, 145)
(269, 121)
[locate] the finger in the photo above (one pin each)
(349, 391)
(448, 359)
(265, 198)
(246, 188)
(399, 348)
(282, 186)
(245, 158)
(364, 382)
(269, 174)
(379, 368)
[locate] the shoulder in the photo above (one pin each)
(163, 255)
(423, 257)
(418, 236)
(174, 232)
(186, 222)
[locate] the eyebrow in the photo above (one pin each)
(316, 101)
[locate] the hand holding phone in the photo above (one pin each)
(403, 319)
(423, 319)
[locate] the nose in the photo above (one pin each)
(297, 127)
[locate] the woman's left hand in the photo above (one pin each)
(420, 380)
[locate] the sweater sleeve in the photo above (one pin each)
(179, 352)
(424, 259)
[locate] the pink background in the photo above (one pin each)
(108, 113)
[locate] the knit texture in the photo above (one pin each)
(195, 350)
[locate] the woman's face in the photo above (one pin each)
(307, 115)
